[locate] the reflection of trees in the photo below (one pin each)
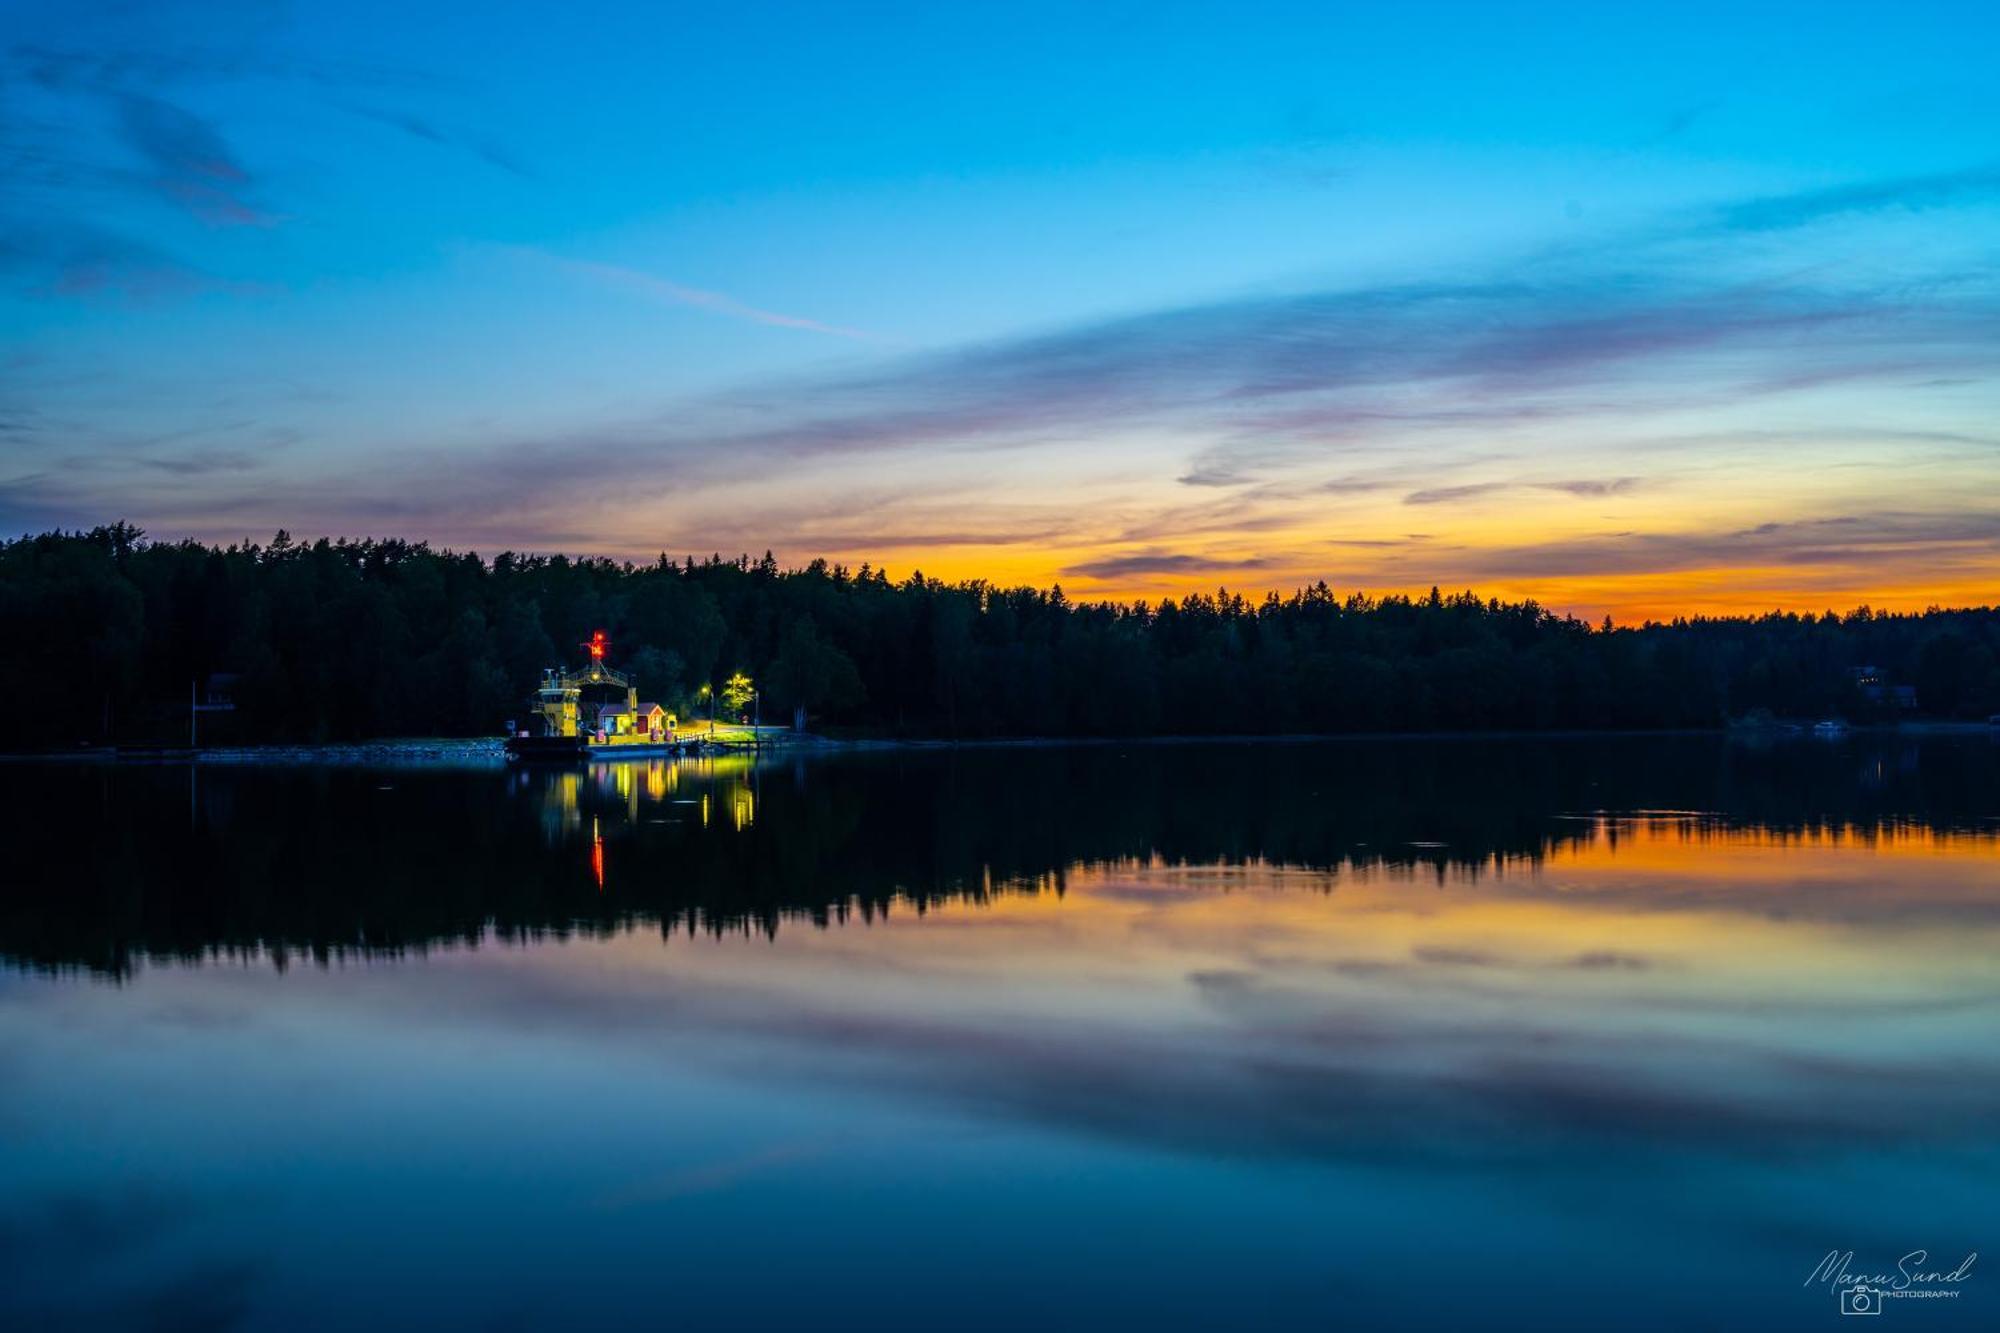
(116, 863)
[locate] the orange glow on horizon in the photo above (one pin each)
(1391, 565)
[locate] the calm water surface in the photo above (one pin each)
(1598, 1034)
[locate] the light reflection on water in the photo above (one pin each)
(1619, 1034)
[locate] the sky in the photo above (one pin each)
(1637, 310)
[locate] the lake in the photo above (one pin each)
(1597, 1033)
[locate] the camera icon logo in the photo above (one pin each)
(1861, 1300)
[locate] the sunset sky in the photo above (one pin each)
(1693, 308)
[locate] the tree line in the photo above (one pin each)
(105, 632)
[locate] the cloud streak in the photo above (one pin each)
(188, 163)
(1285, 433)
(1886, 536)
(62, 258)
(1143, 563)
(1582, 487)
(99, 106)
(673, 293)
(1948, 189)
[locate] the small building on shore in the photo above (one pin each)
(1875, 687)
(644, 720)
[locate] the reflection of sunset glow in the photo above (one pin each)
(1336, 989)
(1637, 930)
(1646, 1006)
(1741, 854)
(1658, 977)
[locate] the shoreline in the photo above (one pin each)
(485, 751)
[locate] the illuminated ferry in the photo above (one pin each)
(564, 725)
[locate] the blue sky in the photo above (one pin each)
(1627, 308)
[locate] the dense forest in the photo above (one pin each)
(102, 634)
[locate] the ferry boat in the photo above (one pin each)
(565, 727)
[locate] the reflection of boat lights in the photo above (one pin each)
(743, 809)
(704, 809)
(597, 854)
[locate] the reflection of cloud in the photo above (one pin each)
(76, 1222)
(1222, 980)
(1431, 1051)
(1599, 959)
(214, 1294)
(1298, 1072)
(716, 1176)
(1802, 991)
(1453, 957)
(90, 1236)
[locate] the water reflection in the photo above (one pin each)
(1466, 1034)
(168, 863)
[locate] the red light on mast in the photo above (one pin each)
(597, 645)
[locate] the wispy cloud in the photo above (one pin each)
(1159, 562)
(673, 293)
(65, 257)
(1299, 375)
(1908, 538)
(1587, 487)
(1291, 423)
(1438, 495)
(1291, 400)
(1947, 189)
(187, 161)
(427, 130)
(102, 103)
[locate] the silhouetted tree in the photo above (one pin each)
(104, 631)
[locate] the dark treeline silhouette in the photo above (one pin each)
(113, 864)
(343, 640)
